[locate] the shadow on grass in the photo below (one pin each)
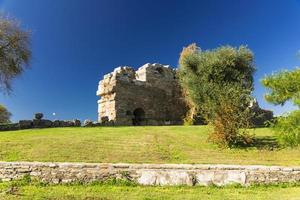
(266, 142)
(262, 143)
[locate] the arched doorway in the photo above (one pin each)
(138, 117)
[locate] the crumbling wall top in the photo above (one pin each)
(123, 72)
(155, 75)
(149, 72)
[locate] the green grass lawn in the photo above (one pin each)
(110, 191)
(152, 144)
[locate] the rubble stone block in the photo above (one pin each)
(42, 123)
(88, 123)
(25, 124)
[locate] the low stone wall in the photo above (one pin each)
(150, 174)
(39, 123)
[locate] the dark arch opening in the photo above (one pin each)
(138, 117)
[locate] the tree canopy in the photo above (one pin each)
(217, 84)
(15, 51)
(283, 86)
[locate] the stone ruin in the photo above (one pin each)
(149, 96)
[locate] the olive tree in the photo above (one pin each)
(15, 51)
(217, 85)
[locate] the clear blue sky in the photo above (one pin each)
(76, 42)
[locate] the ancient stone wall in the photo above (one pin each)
(39, 122)
(150, 174)
(149, 96)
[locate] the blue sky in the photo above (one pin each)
(76, 42)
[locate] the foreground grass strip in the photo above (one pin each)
(123, 190)
(151, 144)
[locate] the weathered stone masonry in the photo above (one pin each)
(149, 96)
(150, 174)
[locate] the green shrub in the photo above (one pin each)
(287, 129)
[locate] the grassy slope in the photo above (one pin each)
(106, 191)
(168, 144)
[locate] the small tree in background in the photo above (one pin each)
(285, 86)
(217, 85)
(4, 115)
(14, 51)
